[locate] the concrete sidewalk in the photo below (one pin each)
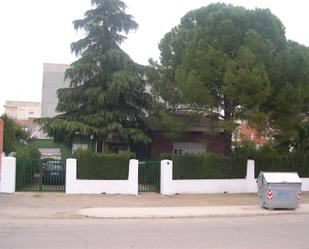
(145, 205)
(186, 212)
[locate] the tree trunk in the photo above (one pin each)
(227, 133)
(227, 143)
(99, 145)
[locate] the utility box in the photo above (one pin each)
(279, 190)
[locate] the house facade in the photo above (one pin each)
(249, 133)
(190, 143)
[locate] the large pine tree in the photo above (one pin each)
(107, 93)
(232, 64)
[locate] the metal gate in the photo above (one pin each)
(40, 175)
(149, 176)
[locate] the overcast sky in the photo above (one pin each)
(38, 31)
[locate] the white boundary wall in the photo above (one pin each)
(8, 175)
(77, 186)
(305, 184)
(170, 186)
(246, 185)
(130, 186)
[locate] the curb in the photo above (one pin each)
(185, 212)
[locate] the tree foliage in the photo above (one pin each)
(13, 135)
(107, 92)
(299, 142)
(290, 88)
(235, 64)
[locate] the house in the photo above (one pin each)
(248, 133)
(199, 137)
(191, 143)
(197, 140)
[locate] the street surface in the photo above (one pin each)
(280, 231)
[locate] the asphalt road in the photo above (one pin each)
(283, 231)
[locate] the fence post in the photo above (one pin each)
(133, 177)
(8, 175)
(70, 175)
(1, 141)
(251, 184)
(166, 177)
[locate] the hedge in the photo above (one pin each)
(267, 158)
(102, 166)
(208, 166)
(274, 162)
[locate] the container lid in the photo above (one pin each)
(281, 177)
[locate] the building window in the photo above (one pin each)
(181, 148)
(76, 147)
(118, 148)
(54, 153)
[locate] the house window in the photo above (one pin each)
(54, 153)
(181, 148)
(76, 147)
(117, 148)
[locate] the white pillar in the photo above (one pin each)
(166, 177)
(250, 180)
(133, 177)
(70, 175)
(8, 175)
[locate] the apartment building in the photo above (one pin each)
(53, 79)
(22, 110)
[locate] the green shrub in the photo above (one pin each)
(28, 152)
(247, 149)
(274, 162)
(166, 156)
(299, 162)
(27, 159)
(208, 166)
(267, 158)
(27, 164)
(102, 166)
